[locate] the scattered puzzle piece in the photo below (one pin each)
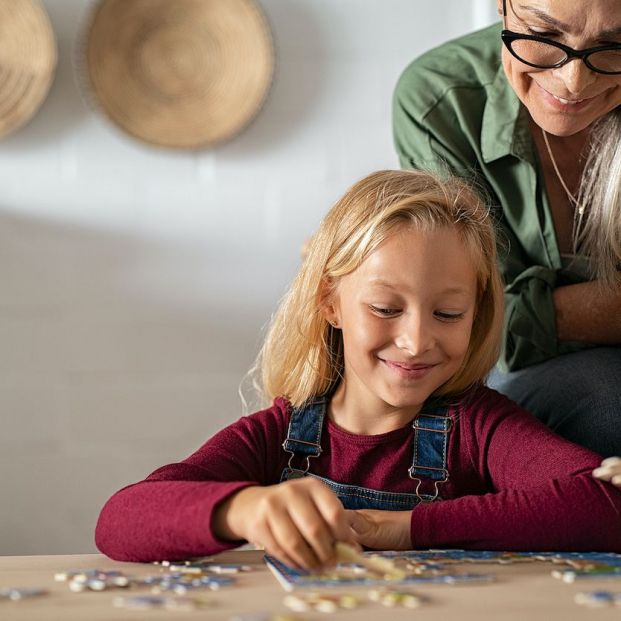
(598, 599)
(167, 602)
(390, 598)
(321, 602)
(19, 593)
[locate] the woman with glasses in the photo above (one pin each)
(532, 112)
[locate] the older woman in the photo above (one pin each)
(532, 111)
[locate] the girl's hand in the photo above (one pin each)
(381, 530)
(609, 470)
(297, 521)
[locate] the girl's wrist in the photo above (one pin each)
(228, 519)
(401, 522)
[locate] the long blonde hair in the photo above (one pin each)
(302, 354)
(598, 230)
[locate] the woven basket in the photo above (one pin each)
(179, 73)
(27, 61)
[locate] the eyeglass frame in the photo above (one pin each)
(508, 36)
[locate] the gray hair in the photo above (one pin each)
(597, 231)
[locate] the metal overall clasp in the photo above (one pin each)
(297, 473)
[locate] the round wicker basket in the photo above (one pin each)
(181, 74)
(27, 61)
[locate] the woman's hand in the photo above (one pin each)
(381, 530)
(609, 470)
(297, 521)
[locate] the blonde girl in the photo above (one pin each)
(375, 365)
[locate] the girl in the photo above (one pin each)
(376, 360)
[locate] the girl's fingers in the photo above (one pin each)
(289, 538)
(609, 470)
(358, 523)
(315, 531)
(602, 473)
(272, 547)
(334, 515)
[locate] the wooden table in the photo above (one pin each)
(521, 591)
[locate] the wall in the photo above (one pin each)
(134, 282)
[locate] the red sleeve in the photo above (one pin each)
(168, 515)
(542, 495)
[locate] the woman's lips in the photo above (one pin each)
(566, 105)
(409, 371)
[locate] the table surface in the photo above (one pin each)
(520, 591)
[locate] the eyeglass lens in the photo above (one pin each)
(547, 55)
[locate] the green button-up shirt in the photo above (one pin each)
(454, 111)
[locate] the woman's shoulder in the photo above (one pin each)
(471, 61)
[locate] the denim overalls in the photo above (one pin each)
(431, 430)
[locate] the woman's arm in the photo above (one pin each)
(589, 313)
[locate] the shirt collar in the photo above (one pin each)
(504, 130)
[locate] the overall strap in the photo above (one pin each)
(304, 433)
(429, 460)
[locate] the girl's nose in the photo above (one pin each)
(576, 76)
(415, 335)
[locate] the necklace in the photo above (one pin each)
(579, 208)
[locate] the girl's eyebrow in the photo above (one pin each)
(380, 282)
(558, 25)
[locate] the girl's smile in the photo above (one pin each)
(408, 371)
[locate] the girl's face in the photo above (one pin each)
(566, 100)
(406, 315)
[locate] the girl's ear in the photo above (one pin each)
(327, 301)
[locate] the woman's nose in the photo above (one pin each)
(576, 76)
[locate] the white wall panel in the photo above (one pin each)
(134, 282)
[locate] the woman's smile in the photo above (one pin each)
(568, 103)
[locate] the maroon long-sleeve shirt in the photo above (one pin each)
(513, 485)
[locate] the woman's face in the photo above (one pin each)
(568, 99)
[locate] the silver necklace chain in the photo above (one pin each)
(574, 201)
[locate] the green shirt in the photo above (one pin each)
(455, 111)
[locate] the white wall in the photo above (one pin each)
(134, 282)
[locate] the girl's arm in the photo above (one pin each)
(543, 495)
(169, 515)
(224, 494)
(298, 521)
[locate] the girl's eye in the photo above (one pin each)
(444, 316)
(384, 311)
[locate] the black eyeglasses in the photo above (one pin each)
(544, 53)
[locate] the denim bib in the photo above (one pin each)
(430, 436)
